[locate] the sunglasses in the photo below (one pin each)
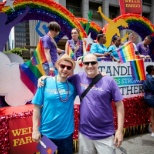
(90, 62)
(65, 66)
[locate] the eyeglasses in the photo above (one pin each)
(90, 62)
(63, 66)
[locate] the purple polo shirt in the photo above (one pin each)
(142, 49)
(49, 44)
(96, 115)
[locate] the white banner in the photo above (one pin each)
(122, 75)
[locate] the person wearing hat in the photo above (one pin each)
(53, 114)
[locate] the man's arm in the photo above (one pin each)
(66, 48)
(48, 57)
(60, 51)
(120, 115)
(36, 118)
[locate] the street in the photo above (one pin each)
(139, 144)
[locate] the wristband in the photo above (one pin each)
(63, 51)
(50, 64)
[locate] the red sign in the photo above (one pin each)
(130, 6)
(20, 132)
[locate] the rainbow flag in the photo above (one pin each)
(71, 53)
(126, 52)
(137, 69)
(30, 73)
(39, 55)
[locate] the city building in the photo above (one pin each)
(26, 36)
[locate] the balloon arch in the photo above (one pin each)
(47, 10)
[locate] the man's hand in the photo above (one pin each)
(51, 71)
(107, 54)
(103, 74)
(36, 136)
(118, 138)
(40, 81)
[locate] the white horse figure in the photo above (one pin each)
(9, 3)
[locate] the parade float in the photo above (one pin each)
(18, 82)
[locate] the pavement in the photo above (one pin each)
(139, 144)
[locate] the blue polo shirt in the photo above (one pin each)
(98, 48)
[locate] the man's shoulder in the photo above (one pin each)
(139, 44)
(45, 37)
(94, 44)
(107, 77)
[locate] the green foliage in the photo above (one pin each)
(17, 51)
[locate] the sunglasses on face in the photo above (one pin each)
(90, 62)
(65, 66)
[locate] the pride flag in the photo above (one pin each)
(126, 52)
(71, 53)
(29, 75)
(39, 55)
(137, 69)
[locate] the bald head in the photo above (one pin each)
(132, 37)
(90, 65)
(89, 56)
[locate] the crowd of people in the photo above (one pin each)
(98, 48)
(53, 114)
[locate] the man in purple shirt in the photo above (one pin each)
(50, 47)
(96, 127)
(143, 47)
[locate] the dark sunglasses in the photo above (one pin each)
(90, 62)
(63, 66)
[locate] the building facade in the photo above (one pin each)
(26, 36)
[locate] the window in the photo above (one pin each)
(146, 15)
(93, 7)
(74, 7)
(113, 12)
(146, 2)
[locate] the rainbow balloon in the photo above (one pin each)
(141, 25)
(45, 10)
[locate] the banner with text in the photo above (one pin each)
(20, 136)
(123, 77)
(130, 6)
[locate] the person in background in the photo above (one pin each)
(99, 49)
(132, 37)
(77, 46)
(53, 113)
(50, 48)
(116, 42)
(143, 47)
(148, 86)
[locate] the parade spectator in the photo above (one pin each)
(143, 47)
(53, 113)
(116, 42)
(96, 126)
(148, 87)
(77, 46)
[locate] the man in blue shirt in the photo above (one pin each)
(53, 114)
